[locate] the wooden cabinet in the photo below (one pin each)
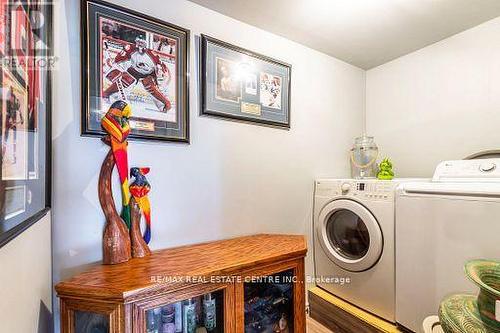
(248, 284)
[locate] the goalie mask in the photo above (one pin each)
(141, 44)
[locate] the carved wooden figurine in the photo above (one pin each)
(116, 239)
(139, 189)
(115, 123)
(139, 247)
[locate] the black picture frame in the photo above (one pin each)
(206, 95)
(147, 128)
(37, 182)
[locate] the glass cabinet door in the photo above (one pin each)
(91, 322)
(86, 316)
(199, 314)
(269, 303)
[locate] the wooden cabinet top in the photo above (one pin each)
(168, 269)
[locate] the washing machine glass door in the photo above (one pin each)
(350, 235)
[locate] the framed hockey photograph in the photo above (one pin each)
(243, 85)
(3, 26)
(139, 59)
(25, 108)
(14, 128)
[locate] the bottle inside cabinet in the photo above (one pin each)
(195, 315)
(269, 304)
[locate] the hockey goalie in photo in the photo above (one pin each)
(137, 67)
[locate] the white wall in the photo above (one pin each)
(233, 178)
(26, 281)
(441, 102)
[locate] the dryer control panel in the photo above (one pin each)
(487, 170)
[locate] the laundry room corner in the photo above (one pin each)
(440, 101)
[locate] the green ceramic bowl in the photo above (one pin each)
(460, 314)
(486, 275)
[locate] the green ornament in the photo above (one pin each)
(385, 170)
(468, 313)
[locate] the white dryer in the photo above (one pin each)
(439, 226)
(354, 242)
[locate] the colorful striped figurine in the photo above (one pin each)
(139, 189)
(115, 123)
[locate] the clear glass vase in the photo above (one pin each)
(364, 154)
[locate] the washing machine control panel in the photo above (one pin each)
(374, 190)
(364, 190)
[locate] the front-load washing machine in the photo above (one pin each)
(354, 242)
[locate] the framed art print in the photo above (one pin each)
(243, 85)
(138, 59)
(25, 108)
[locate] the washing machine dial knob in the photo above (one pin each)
(487, 167)
(345, 187)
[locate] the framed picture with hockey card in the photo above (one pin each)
(244, 85)
(138, 59)
(27, 61)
